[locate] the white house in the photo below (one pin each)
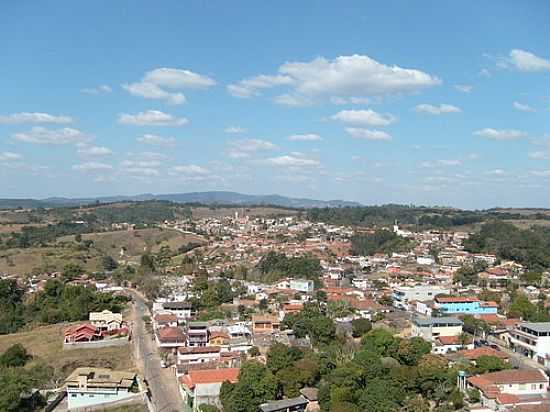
(532, 340)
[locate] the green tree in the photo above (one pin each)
(360, 326)
(16, 355)
(488, 363)
(281, 356)
(109, 263)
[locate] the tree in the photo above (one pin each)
(281, 356)
(488, 363)
(360, 326)
(72, 271)
(16, 355)
(208, 408)
(381, 342)
(109, 263)
(410, 351)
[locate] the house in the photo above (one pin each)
(297, 404)
(532, 340)
(265, 324)
(106, 320)
(218, 339)
(473, 355)
(82, 333)
(466, 305)
(164, 320)
(432, 328)
(88, 387)
(202, 387)
(302, 285)
(445, 344)
(170, 337)
(402, 295)
(197, 334)
(199, 354)
(182, 310)
(500, 391)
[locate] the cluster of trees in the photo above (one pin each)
(140, 213)
(381, 241)
(312, 322)
(58, 302)
(468, 274)
(31, 236)
(274, 266)
(384, 374)
(17, 380)
(530, 247)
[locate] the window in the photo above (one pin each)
(73, 395)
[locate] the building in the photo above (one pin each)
(532, 340)
(404, 294)
(170, 337)
(466, 305)
(298, 404)
(82, 333)
(165, 320)
(302, 285)
(432, 328)
(265, 324)
(106, 320)
(503, 390)
(199, 354)
(202, 387)
(87, 387)
(197, 334)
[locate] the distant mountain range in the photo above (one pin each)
(207, 198)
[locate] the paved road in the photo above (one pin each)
(162, 382)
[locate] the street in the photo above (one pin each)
(162, 382)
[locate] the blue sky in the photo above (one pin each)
(422, 102)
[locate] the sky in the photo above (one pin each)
(425, 102)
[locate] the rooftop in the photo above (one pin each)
(536, 326)
(283, 404)
(196, 377)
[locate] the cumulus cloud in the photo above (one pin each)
(103, 89)
(151, 118)
(292, 161)
(442, 162)
(540, 155)
(500, 134)
(190, 170)
(523, 107)
(140, 163)
(365, 117)
(310, 137)
(34, 117)
(161, 83)
(540, 173)
(244, 148)
(526, 61)
(338, 100)
(436, 110)
(155, 140)
(342, 77)
(234, 130)
(464, 88)
(360, 133)
(141, 171)
(88, 150)
(92, 166)
(9, 156)
(41, 135)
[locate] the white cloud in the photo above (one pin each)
(523, 107)
(349, 100)
(500, 134)
(310, 137)
(190, 170)
(9, 156)
(292, 100)
(496, 172)
(155, 140)
(436, 110)
(485, 73)
(152, 118)
(154, 92)
(140, 163)
(154, 83)
(92, 166)
(26, 117)
(344, 76)
(540, 173)
(234, 130)
(526, 61)
(365, 117)
(41, 135)
(103, 89)
(292, 161)
(442, 162)
(464, 88)
(540, 155)
(359, 133)
(239, 149)
(178, 79)
(87, 150)
(252, 86)
(141, 171)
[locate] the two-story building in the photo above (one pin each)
(432, 328)
(265, 324)
(106, 320)
(532, 340)
(202, 387)
(197, 334)
(402, 295)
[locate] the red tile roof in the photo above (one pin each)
(448, 340)
(196, 377)
(473, 354)
(199, 350)
(455, 299)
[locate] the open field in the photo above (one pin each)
(135, 242)
(46, 344)
(16, 227)
(207, 212)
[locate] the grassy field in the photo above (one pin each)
(137, 241)
(46, 344)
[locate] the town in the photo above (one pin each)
(283, 312)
